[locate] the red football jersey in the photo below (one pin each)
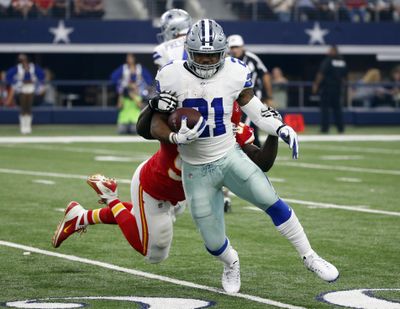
(161, 175)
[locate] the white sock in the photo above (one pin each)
(28, 123)
(229, 256)
(294, 232)
(22, 124)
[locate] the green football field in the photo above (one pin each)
(346, 194)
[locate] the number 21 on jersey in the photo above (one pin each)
(202, 106)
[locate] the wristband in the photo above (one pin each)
(277, 130)
(172, 138)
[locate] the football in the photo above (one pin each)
(174, 120)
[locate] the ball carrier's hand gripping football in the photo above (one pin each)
(185, 135)
(164, 102)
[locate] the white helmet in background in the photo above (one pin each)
(206, 37)
(174, 22)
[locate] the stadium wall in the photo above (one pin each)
(80, 115)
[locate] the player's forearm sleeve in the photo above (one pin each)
(266, 122)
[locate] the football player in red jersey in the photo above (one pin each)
(157, 194)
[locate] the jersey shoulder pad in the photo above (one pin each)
(238, 70)
(168, 74)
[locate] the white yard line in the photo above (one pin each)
(348, 179)
(135, 139)
(358, 208)
(72, 139)
(341, 168)
(44, 182)
(340, 158)
(128, 181)
(338, 148)
(74, 149)
(147, 275)
(47, 174)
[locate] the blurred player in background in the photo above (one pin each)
(211, 159)
(260, 76)
(25, 80)
(175, 23)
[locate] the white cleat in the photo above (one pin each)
(106, 188)
(323, 269)
(231, 276)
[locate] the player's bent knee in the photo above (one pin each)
(164, 236)
(157, 255)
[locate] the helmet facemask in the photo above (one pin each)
(206, 37)
(206, 70)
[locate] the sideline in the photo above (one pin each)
(147, 275)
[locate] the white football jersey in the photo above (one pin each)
(213, 98)
(170, 50)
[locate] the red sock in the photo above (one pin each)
(99, 215)
(127, 223)
(102, 215)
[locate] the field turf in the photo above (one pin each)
(348, 176)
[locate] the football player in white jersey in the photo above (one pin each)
(211, 159)
(175, 23)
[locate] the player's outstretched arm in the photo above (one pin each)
(263, 118)
(143, 124)
(265, 156)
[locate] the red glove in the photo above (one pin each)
(236, 113)
(244, 134)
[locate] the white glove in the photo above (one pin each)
(186, 135)
(289, 136)
(164, 102)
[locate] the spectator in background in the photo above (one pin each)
(306, 10)
(329, 83)
(134, 72)
(44, 7)
(279, 86)
(259, 75)
(366, 92)
(282, 9)
(357, 10)
(5, 8)
(89, 8)
(26, 80)
(3, 88)
(396, 10)
(130, 104)
(395, 88)
(381, 10)
(61, 8)
(22, 8)
(326, 9)
(50, 92)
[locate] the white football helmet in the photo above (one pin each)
(174, 22)
(206, 37)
